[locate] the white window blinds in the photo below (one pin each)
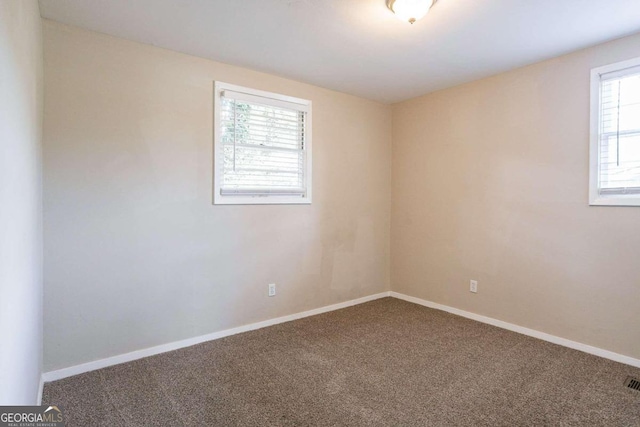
(264, 146)
(619, 133)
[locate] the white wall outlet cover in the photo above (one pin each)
(473, 286)
(272, 289)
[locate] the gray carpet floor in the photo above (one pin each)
(383, 363)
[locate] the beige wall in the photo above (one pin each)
(20, 202)
(490, 182)
(136, 255)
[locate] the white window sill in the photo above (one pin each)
(261, 200)
(631, 200)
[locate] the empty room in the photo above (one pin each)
(319, 213)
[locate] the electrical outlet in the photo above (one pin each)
(272, 289)
(473, 286)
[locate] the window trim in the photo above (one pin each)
(218, 198)
(595, 198)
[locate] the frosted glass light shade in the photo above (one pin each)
(410, 10)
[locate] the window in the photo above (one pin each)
(615, 135)
(262, 147)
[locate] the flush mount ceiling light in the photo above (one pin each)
(410, 10)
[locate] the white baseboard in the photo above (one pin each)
(40, 390)
(139, 354)
(522, 330)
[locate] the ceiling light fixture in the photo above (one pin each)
(410, 10)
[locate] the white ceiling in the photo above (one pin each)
(358, 46)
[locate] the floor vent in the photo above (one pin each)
(632, 383)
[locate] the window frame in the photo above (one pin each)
(218, 168)
(595, 198)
